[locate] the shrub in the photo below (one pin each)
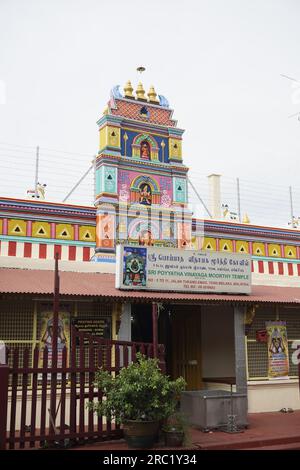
(139, 392)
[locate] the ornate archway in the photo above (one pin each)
(145, 139)
(139, 185)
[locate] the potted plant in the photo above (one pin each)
(139, 397)
(175, 430)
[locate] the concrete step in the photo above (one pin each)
(253, 443)
(291, 446)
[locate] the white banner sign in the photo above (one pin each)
(171, 269)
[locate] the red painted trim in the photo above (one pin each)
(280, 268)
(42, 251)
(12, 248)
(72, 253)
(290, 269)
(298, 268)
(282, 251)
(57, 249)
(271, 267)
(261, 267)
(27, 250)
(252, 267)
(250, 248)
(86, 253)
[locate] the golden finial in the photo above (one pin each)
(105, 110)
(140, 92)
(152, 95)
(128, 90)
(246, 219)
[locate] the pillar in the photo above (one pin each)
(125, 325)
(240, 350)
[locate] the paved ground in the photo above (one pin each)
(266, 431)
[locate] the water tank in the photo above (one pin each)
(209, 409)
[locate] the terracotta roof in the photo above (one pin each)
(32, 281)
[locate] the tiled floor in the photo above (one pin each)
(266, 431)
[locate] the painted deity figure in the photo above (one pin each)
(47, 337)
(145, 238)
(145, 150)
(145, 195)
(276, 346)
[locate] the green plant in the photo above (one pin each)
(139, 392)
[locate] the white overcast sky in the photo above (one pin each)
(218, 62)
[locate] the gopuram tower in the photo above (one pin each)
(141, 181)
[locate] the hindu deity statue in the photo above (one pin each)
(145, 195)
(145, 150)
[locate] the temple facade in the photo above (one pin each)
(142, 199)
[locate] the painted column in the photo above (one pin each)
(52, 230)
(4, 227)
(125, 329)
(76, 232)
(267, 249)
(125, 325)
(29, 228)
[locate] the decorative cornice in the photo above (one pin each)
(107, 158)
(20, 205)
(252, 232)
(47, 241)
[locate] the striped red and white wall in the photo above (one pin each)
(84, 253)
(46, 251)
(277, 268)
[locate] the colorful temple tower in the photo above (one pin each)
(141, 181)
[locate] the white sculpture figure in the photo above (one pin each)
(39, 193)
(227, 214)
(295, 222)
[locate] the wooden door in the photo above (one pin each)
(186, 345)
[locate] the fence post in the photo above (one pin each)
(4, 374)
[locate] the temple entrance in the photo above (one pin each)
(141, 322)
(180, 332)
(179, 329)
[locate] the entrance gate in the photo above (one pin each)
(186, 345)
(42, 405)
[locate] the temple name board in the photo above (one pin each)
(171, 269)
